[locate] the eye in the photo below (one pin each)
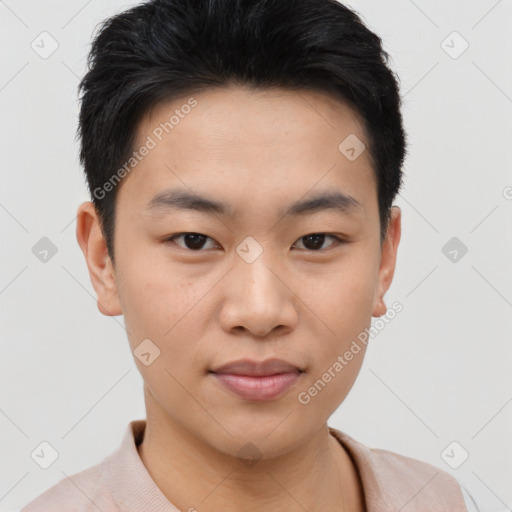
(315, 241)
(196, 241)
(192, 241)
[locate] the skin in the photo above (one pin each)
(258, 151)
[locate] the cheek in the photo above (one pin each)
(166, 305)
(344, 303)
(342, 297)
(152, 296)
(337, 357)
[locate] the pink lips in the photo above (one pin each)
(254, 380)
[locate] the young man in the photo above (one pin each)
(243, 158)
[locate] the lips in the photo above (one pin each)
(258, 369)
(257, 381)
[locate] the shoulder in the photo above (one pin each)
(434, 478)
(81, 492)
(389, 478)
(442, 480)
(473, 503)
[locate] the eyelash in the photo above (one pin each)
(338, 240)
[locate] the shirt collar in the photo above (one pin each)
(128, 480)
(394, 482)
(390, 481)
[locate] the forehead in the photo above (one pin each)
(274, 145)
(222, 111)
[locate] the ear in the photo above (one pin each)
(101, 271)
(388, 260)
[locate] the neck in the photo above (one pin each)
(317, 475)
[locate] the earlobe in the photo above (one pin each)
(388, 261)
(94, 247)
(380, 308)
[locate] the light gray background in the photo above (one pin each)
(439, 372)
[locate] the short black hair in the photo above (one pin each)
(163, 49)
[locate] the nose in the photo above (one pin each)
(258, 300)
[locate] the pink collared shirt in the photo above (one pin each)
(121, 483)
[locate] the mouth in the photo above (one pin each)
(258, 381)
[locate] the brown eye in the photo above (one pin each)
(191, 241)
(315, 241)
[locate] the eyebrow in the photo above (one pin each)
(178, 199)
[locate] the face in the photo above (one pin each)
(262, 272)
